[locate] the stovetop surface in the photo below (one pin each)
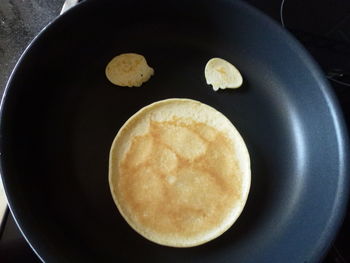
(325, 34)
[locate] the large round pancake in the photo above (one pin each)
(179, 172)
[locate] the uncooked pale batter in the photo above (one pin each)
(221, 74)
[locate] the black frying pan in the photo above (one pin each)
(60, 115)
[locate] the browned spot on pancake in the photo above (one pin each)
(180, 178)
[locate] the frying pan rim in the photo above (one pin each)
(342, 196)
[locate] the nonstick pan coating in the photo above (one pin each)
(60, 115)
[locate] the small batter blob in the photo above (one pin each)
(221, 74)
(128, 70)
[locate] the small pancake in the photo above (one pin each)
(179, 172)
(128, 70)
(221, 74)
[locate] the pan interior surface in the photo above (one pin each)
(60, 115)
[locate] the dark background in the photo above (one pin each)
(322, 26)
